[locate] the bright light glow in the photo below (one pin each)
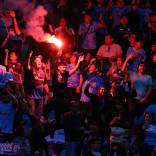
(54, 40)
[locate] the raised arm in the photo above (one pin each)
(17, 30)
(81, 58)
(29, 59)
(124, 65)
(6, 57)
(129, 57)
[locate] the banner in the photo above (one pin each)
(9, 149)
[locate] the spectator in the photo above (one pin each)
(14, 66)
(109, 49)
(151, 26)
(118, 10)
(122, 32)
(89, 78)
(136, 54)
(131, 39)
(75, 79)
(8, 104)
(87, 31)
(118, 74)
(14, 38)
(72, 91)
(145, 12)
(7, 18)
(148, 132)
(87, 60)
(90, 97)
(62, 8)
(135, 18)
(99, 11)
(119, 135)
(39, 86)
(64, 32)
(59, 86)
(5, 22)
(73, 120)
(142, 84)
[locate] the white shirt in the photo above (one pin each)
(114, 50)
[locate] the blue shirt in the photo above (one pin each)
(133, 64)
(73, 80)
(95, 82)
(150, 135)
(141, 84)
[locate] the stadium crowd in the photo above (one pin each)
(94, 95)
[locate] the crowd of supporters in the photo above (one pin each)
(94, 96)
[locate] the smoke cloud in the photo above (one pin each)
(34, 17)
(23, 5)
(35, 23)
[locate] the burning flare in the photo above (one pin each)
(54, 40)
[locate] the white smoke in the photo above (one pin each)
(23, 5)
(35, 23)
(34, 17)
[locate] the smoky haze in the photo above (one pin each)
(34, 17)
